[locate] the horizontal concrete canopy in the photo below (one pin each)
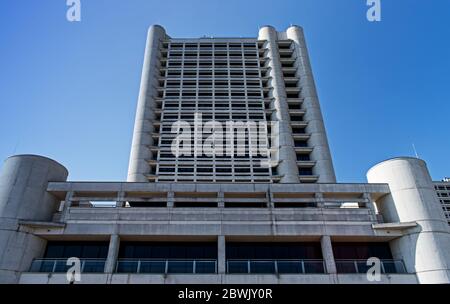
(61, 188)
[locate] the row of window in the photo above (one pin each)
(231, 170)
(442, 188)
(217, 116)
(209, 107)
(210, 93)
(216, 72)
(210, 102)
(170, 156)
(211, 170)
(217, 82)
(208, 250)
(211, 56)
(179, 45)
(210, 64)
(215, 179)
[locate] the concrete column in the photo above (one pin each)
(170, 199)
(113, 253)
(23, 196)
(143, 127)
(287, 166)
(120, 203)
(328, 256)
(67, 205)
(220, 199)
(321, 153)
(424, 249)
(221, 255)
(270, 199)
(319, 199)
(370, 205)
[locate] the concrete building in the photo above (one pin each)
(224, 218)
(268, 78)
(443, 193)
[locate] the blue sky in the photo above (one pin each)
(69, 90)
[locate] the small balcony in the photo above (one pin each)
(275, 266)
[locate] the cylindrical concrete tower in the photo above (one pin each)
(287, 166)
(23, 196)
(316, 128)
(426, 248)
(143, 127)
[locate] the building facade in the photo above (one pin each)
(195, 215)
(443, 193)
(263, 79)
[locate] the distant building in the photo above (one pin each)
(443, 192)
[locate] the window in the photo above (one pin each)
(168, 250)
(166, 169)
(303, 157)
(361, 251)
(305, 171)
(301, 143)
(82, 250)
(269, 250)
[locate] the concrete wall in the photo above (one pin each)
(23, 196)
(425, 249)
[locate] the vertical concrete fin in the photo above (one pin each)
(287, 166)
(143, 127)
(316, 127)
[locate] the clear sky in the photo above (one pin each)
(69, 90)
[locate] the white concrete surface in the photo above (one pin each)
(23, 196)
(143, 127)
(316, 127)
(425, 249)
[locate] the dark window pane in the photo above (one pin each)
(67, 249)
(275, 250)
(127, 267)
(314, 267)
(72, 251)
(181, 267)
(361, 251)
(262, 267)
(61, 266)
(289, 267)
(152, 267)
(54, 251)
(237, 267)
(205, 267)
(168, 250)
(93, 266)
